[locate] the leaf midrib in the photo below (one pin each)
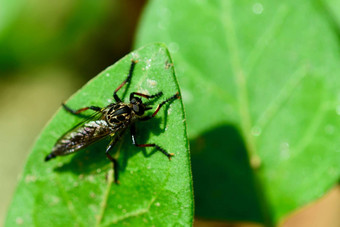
(240, 80)
(243, 106)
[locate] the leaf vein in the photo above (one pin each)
(283, 95)
(67, 200)
(266, 38)
(134, 213)
(241, 83)
(312, 129)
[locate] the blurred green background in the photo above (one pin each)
(50, 49)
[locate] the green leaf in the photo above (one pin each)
(260, 85)
(78, 188)
(331, 9)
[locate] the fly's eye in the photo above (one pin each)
(135, 100)
(138, 109)
(135, 108)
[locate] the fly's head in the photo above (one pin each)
(138, 106)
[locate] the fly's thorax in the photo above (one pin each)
(118, 114)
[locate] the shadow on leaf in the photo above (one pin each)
(224, 183)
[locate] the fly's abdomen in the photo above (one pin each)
(80, 137)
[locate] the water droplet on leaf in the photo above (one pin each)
(256, 131)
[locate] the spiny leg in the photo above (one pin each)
(132, 95)
(127, 80)
(114, 161)
(175, 96)
(77, 112)
(134, 142)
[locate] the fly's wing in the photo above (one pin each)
(93, 117)
(83, 134)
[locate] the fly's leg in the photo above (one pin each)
(114, 161)
(133, 138)
(132, 95)
(175, 96)
(127, 80)
(77, 112)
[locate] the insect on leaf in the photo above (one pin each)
(78, 189)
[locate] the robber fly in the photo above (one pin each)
(112, 120)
